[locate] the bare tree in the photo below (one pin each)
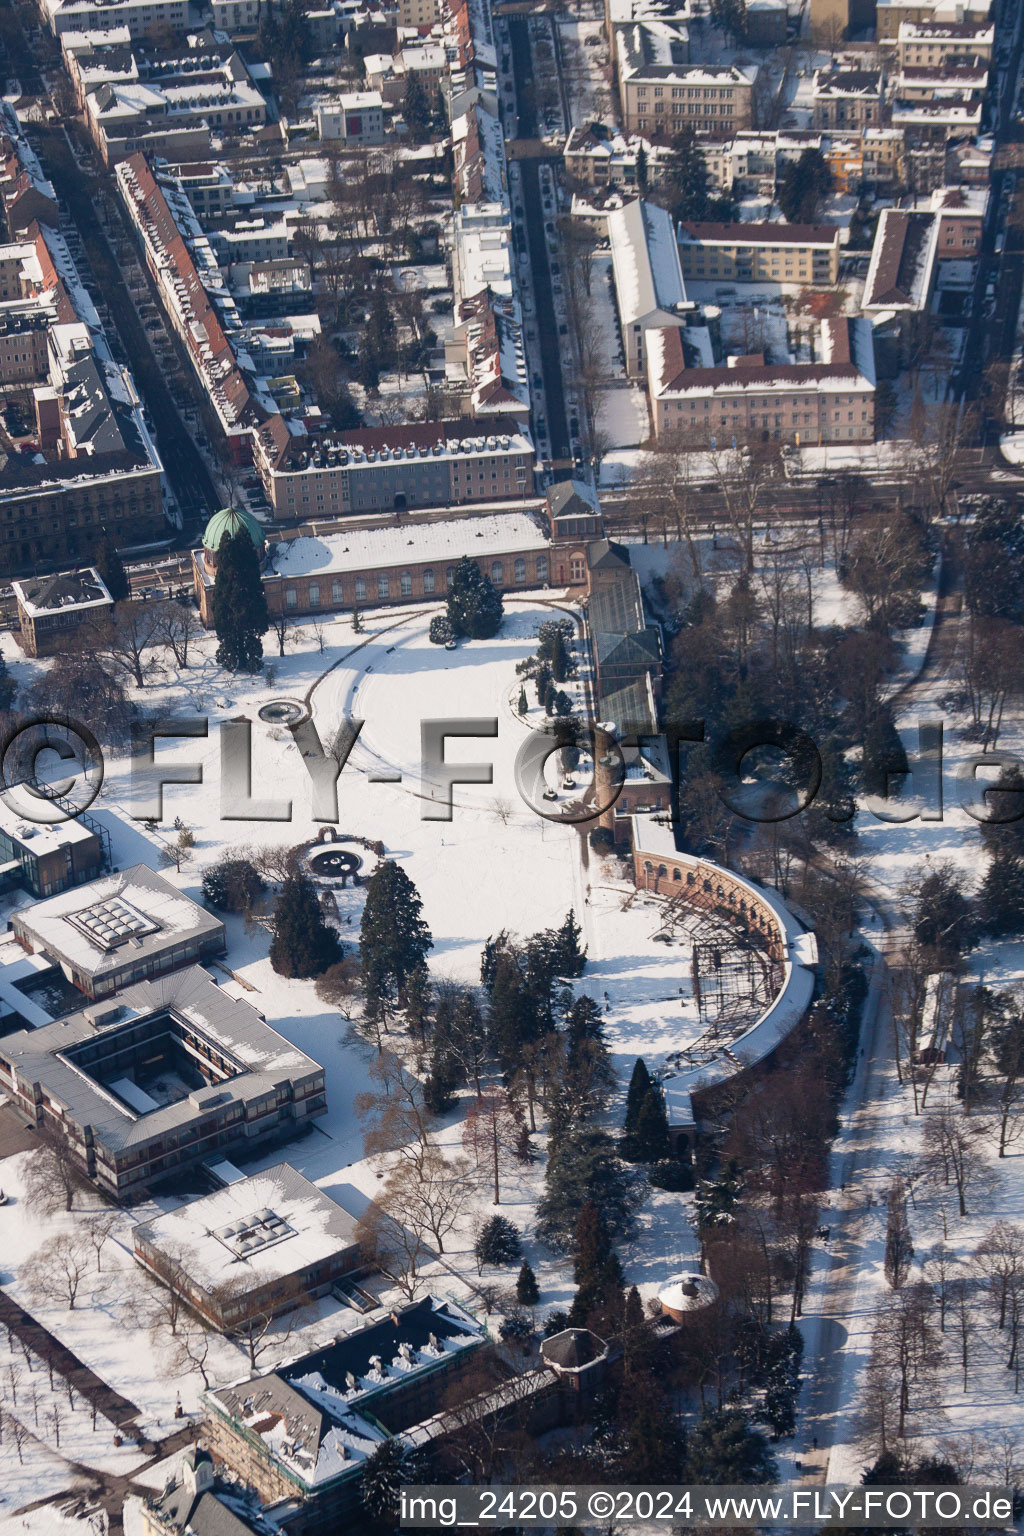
(53, 1175)
(394, 1115)
(906, 1347)
(899, 1246)
(999, 1261)
(962, 1298)
(435, 1201)
(190, 1349)
(14, 1381)
(55, 1416)
(58, 1268)
(178, 626)
(97, 1229)
(953, 1155)
(493, 1133)
(387, 1242)
(941, 1265)
(19, 1434)
(125, 638)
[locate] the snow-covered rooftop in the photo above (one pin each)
(269, 1225)
(362, 548)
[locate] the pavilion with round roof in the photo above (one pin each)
(230, 521)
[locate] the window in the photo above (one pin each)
(520, 570)
(542, 567)
(290, 597)
(497, 572)
(360, 588)
(314, 594)
(428, 580)
(337, 594)
(406, 584)
(383, 585)
(450, 577)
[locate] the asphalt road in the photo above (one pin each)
(189, 477)
(551, 344)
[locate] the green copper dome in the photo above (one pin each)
(231, 520)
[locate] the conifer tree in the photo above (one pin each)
(639, 1086)
(303, 944)
(583, 1022)
(523, 701)
(650, 1139)
(474, 607)
(498, 1242)
(527, 1289)
(111, 568)
(569, 958)
(393, 938)
(239, 604)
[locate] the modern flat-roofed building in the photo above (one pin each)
(807, 254)
(258, 1247)
(166, 1074)
(353, 118)
(47, 857)
(649, 287)
(51, 608)
(123, 928)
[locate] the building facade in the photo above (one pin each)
(156, 1080)
(807, 254)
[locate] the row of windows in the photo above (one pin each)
(314, 596)
(713, 95)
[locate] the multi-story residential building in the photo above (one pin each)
(943, 44)
(714, 100)
(760, 253)
(418, 13)
(901, 273)
(351, 118)
(385, 566)
(600, 156)
(485, 360)
(235, 17)
(162, 1076)
(828, 401)
(847, 98)
(143, 18)
(52, 608)
(649, 288)
(93, 465)
(833, 21)
(883, 159)
(171, 111)
(917, 83)
(27, 196)
(961, 213)
(891, 14)
(389, 469)
(390, 74)
(234, 397)
(766, 23)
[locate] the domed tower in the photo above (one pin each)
(231, 520)
(686, 1294)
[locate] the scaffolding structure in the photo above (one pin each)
(734, 974)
